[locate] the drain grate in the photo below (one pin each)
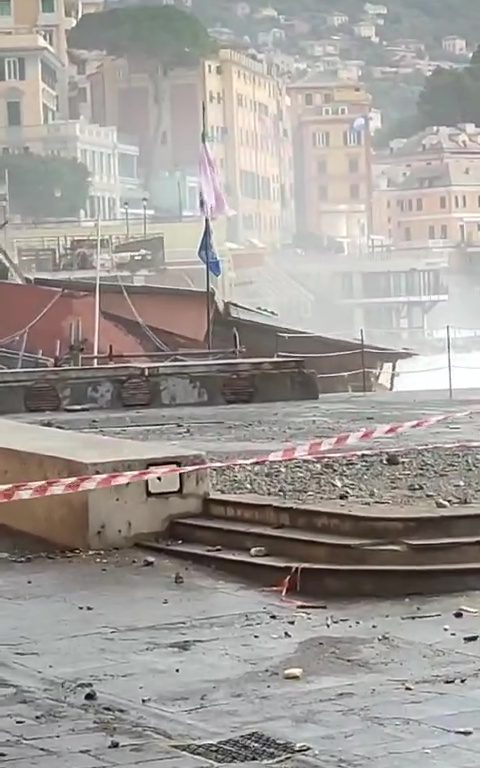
(250, 747)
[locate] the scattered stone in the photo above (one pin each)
(470, 638)
(293, 673)
(442, 504)
(408, 687)
(458, 614)
(178, 578)
(147, 562)
(218, 548)
(467, 609)
(287, 633)
(446, 628)
(91, 695)
(393, 459)
(145, 699)
(114, 744)
(258, 552)
(463, 731)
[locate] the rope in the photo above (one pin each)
(36, 320)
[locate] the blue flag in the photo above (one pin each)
(207, 253)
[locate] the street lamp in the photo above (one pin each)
(127, 221)
(144, 204)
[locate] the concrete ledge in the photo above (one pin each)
(94, 519)
(212, 382)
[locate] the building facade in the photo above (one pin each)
(332, 156)
(247, 124)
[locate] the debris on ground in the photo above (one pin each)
(178, 578)
(293, 673)
(91, 695)
(148, 561)
(258, 552)
(470, 638)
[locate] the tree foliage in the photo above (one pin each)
(452, 96)
(45, 187)
(164, 35)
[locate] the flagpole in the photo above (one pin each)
(207, 265)
(96, 332)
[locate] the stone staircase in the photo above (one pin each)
(362, 552)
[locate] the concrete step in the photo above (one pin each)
(375, 522)
(312, 547)
(332, 579)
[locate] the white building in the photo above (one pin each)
(455, 45)
(337, 18)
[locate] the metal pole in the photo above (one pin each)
(144, 202)
(362, 352)
(207, 297)
(207, 225)
(96, 333)
(127, 222)
(449, 359)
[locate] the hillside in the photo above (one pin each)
(427, 20)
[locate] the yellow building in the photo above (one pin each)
(332, 155)
(248, 128)
(33, 63)
(248, 121)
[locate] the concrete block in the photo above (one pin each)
(94, 519)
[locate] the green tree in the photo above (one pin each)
(45, 187)
(154, 39)
(452, 96)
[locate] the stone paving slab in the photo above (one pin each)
(204, 661)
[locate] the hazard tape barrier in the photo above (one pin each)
(61, 486)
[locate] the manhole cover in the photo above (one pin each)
(242, 749)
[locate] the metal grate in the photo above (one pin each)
(250, 747)
(136, 391)
(41, 396)
(238, 389)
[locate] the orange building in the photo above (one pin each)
(429, 189)
(332, 158)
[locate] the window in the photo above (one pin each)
(353, 164)
(457, 202)
(11, 69)
(48, 6)
(48, 75)
(410, 205)
(14, 113)
(354, 191)
(444, 232)
(443, 202)
(343, 110)
(327, 98)
(323, 193)
(408, 233)
(352, 138)
(321, 139)
(464, 201)
(309, 99)
(419, 204)
(5, 8)
(322, 167)
(431, 233)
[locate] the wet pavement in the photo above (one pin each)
(236, 429)
(388, 684)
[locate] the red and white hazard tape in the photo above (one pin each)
(62, 486)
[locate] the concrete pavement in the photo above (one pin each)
(203, 660)
(237, 429)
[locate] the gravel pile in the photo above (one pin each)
(427, 477)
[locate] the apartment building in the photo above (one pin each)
(332, 156)
(430, 188)
(247, 125)
(248, 122)
(44, 17)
